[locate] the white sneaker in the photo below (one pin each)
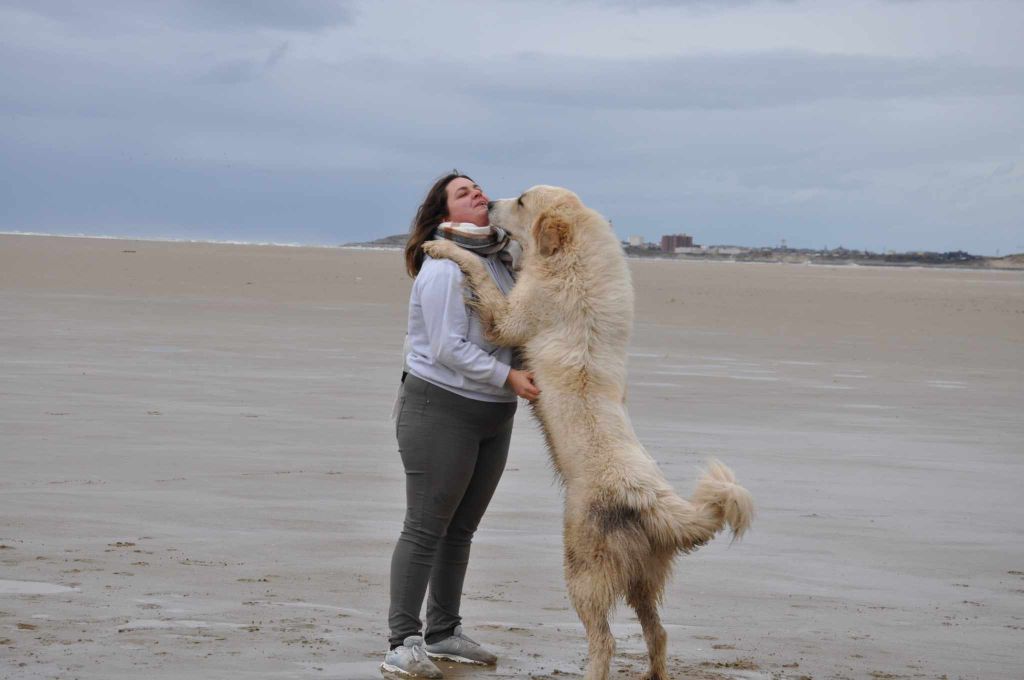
(460, 648)
(410, 660)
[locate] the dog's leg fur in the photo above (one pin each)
(511, 324)
(643, 596)
(505, 320)
(593, 602)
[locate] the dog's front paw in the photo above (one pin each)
(443, 250)
(470, 264)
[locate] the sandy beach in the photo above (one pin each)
(199, 478)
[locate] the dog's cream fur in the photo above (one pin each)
(571, 311)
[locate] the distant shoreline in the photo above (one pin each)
(389, 244)
(980, 263)
(787, 256)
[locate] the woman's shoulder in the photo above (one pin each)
(434, 266)
(442, 270)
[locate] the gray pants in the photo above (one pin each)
(454, 451)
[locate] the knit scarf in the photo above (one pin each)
(483, 241)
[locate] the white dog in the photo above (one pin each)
(571, 311)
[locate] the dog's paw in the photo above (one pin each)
(470, 264)
(443, 250)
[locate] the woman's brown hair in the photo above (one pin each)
(431, 213)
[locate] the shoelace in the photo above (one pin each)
(418, 653)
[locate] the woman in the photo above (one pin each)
(454, 423)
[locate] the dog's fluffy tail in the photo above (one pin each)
(718, 491)
(717, 502)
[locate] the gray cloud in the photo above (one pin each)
(714, 81)
(293, 15)
(240, 70)
(712, 5)
(302, 15)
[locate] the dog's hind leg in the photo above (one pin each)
(643, 597)
(593, 602)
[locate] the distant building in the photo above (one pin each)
(636, 241)
(670, 242)
(692, 250)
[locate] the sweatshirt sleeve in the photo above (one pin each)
(447, 326)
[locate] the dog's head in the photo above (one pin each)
(541, 218)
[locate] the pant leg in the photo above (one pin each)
(435, 443)
(452, 559)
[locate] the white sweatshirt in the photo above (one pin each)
(446, 344)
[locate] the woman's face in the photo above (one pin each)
(466, 202)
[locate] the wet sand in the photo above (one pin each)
(199, 475)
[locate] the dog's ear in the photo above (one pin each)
(551, 232)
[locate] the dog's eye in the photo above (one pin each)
(519, 201)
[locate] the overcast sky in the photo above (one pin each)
(882, 125)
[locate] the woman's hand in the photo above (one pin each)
(521, 383)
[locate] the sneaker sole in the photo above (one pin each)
(394, 669)
(384, 666)
(459, 659)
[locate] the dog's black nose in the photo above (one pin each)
(490, 204)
